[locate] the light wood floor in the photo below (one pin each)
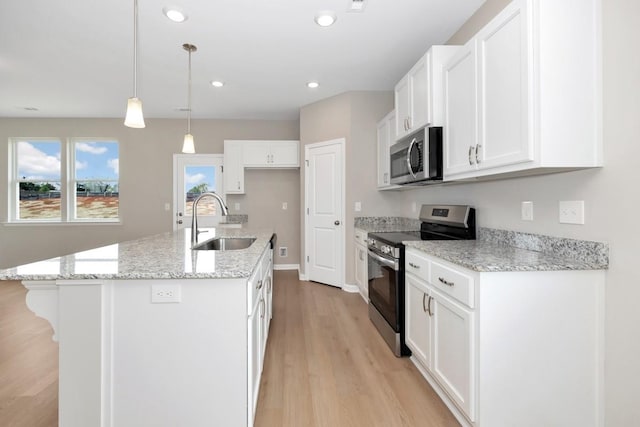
(325, 365)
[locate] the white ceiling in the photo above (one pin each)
(74, 58)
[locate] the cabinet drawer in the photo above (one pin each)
(417, 264)
(452, 282)
(254, 287)
(361, 237)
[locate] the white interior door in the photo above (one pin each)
(325, 234)
(194, 174)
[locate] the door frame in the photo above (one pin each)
(174, 183)
(307, 230)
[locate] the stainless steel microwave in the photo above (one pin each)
(417, 159)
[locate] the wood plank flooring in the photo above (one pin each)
(325, 365)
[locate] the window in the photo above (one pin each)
(64, 181)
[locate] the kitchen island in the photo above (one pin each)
(151, 332)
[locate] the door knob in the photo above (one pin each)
(179, 221)
(336, 222)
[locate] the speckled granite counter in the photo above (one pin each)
(484, 256)
(386, 223)
(162, 256)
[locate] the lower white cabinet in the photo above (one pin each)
(511, 348)
(362, 263)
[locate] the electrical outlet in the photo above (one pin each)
(282, 250)
(358, 206)
(167, 206)
(527, 211)
(414, 207)
(571, 212)
(165, 294)
(284, 206)
(237, 206)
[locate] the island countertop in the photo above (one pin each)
(161, 256)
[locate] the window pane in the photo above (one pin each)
(97, 199)
(39, 200)
(197, 180)
(38, 178)
(97, 173)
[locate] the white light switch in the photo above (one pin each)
(167, 206)
(572, 212)
(358, 206)
(284, 206)
(527, 211)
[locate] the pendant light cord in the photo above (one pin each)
(135, 48)
(189, 97)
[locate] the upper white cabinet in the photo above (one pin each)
(233, 168)
(386, 128)
(524, 93)
(240, 154)
(271, 154)
(418, 95)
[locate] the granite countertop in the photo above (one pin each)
(162, 256)
(483, 256)
(380, 228)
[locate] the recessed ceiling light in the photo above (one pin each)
(174, 13)
(325, 18)
(313, 85)
(216, 83)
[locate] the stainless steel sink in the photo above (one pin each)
(225, 244)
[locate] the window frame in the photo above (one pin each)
(68, 182)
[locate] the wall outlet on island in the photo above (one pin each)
(165, 294)
(236, 206)
(282, 251)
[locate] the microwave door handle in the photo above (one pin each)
(413, 142)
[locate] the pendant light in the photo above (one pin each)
(134, 118)
(187, 145)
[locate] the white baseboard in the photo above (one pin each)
(302, 277)
(352, 289)
(286, 266)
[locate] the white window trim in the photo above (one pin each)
(67, 190)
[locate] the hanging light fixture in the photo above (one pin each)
(187, 145)
(134, 118)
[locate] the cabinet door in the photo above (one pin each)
(254, 362)
(362, 265)
(460, 128)
(504, 90)
(233, 168)
(454, 351)
(285, 154)
(420, 114)
(403, 108)
(386, 130)
(418, 320)
(256, 153)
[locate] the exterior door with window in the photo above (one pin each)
(195, 174)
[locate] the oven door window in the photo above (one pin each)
(383, 291)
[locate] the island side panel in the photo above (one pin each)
(180, 363)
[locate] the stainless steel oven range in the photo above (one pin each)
(386, 265)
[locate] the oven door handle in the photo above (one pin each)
(384, 261)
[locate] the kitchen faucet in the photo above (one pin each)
(194, 218)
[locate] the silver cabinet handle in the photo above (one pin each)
(408, 122)
(262, 308)
(470, 151)
(429, 306)
(477, 153)
(416, 266)
(179, 221)
(446, 282)
(238, 185)
(424, 306)
(259, 285)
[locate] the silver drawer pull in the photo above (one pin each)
(416, 266)
(259, 285)
(446, 282)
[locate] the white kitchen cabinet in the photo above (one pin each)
(418, 95)
(271, 154)
(508, 348)
(233, 168)
(362, 263)
(523, 95)
(386, 132)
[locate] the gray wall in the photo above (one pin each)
(353, 116)
(612, 201)
(146, 157)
